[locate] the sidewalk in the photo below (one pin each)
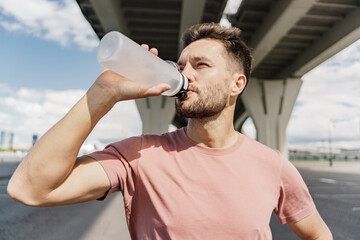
(323, 165)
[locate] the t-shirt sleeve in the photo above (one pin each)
(116, 160)
(295, 202)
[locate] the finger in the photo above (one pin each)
(145, 46)
(157, 90)
(154, 51)
(105, 70)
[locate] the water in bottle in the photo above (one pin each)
(127, 58)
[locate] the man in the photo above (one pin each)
(205, 181)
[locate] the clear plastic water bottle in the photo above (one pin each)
(127, 58)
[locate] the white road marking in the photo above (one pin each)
(355, 209)
(327, 180)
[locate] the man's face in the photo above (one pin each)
(204, 63)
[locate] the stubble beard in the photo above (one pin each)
(211, 101)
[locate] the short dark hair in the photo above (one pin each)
(230, 37)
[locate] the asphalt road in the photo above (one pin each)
(87, 221)
(337, 196)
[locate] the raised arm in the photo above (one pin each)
(51, 174)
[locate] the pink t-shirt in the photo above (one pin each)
(176, 189)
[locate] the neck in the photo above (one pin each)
(214, 132)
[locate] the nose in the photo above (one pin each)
(188, 71)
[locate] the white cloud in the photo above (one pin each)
(4, 88)
(30, 111)
(60, 22)
(330, 94)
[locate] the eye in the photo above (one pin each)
(202, 64)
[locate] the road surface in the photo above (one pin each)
(337, 196)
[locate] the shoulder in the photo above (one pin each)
(260, 150)
(169, 140)
(127, 143)
(147, 140)
(263, 156)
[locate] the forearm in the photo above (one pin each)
(53, 157)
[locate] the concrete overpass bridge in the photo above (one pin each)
(288, 38)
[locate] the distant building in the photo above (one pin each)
(6, 140)
(34, 139)
(349, 154)
(339, 154)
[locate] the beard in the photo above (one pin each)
(211, 101)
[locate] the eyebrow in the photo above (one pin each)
(195, 59)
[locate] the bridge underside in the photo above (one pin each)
(287, 38)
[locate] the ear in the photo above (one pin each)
(238, 84)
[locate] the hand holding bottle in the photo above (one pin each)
(119, 88)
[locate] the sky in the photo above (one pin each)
(48, 61)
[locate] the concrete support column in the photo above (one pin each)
(270, 103)
(240, 121)
(156, 113)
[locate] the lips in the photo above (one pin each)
(189, 92)
(192, 89)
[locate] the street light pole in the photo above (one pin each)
(330, 150)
